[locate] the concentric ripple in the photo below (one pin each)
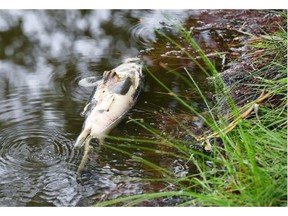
(34, 148)
(142, 35)
(34, 159)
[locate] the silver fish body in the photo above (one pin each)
(111, 99)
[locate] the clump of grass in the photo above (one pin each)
(247, 164)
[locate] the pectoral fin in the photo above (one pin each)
(110, 76)
(89, 81)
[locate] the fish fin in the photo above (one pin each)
(110, 76)
(83, 137)
(107, 75)
(89, 81)
(88, 106)
(83, 113)
(85, 156)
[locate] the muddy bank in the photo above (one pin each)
(225, 37)
(253, 26)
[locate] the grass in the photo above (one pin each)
(247, 164)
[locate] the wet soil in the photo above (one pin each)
(232, 48)
(233, 32)
(247, 59)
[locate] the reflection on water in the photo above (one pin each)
(43, 55)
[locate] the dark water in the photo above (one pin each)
(43, 55)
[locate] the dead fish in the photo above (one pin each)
(113, 96)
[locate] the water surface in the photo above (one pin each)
(43, 55)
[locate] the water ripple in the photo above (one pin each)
(142, 35)
(34, 148)
(60, 187)
(34, 161)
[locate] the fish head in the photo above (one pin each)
(132, 69)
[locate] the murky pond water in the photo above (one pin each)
(43, 55)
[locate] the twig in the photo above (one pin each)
(234, 123)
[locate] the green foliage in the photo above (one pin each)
(249, 166)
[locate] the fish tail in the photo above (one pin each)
(82, 138)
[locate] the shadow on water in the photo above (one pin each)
(43, 55)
